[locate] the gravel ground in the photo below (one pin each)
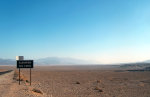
(47, 82)
(91, 83)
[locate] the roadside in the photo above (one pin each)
(9, 86)
(6, 79)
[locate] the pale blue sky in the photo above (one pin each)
(107, 31)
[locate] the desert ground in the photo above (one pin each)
(74, 81)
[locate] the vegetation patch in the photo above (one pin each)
(77, 82)
(37, 91)
(99, 81)
(97, 88)
(16, 76)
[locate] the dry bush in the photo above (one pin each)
(27, 81)
(16, 76)
(77, 82)
(97, 88)
(37, 91)
(99, 81)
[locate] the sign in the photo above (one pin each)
(21, 63)
(19, 57)
(24, 63)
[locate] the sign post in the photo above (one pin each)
(19, 76)
(24, 64)
(30, 76)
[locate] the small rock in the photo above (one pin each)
(77, 82)
(97, 88)
(27, 81)
(98, 81)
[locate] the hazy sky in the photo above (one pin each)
(108, 31)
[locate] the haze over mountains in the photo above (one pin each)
(50, 61)
(56, 61)
(7, 61)
(147, 61)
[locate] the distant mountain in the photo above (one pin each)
(73, 61)
(61, 61)
(141, 65)
(7, 62)
(147, 61)
(50, 61)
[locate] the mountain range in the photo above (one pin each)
(50, 61)
(7, 61)
(58, 61)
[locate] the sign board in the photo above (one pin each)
(19, 57)
(21, 63)
(24, 63)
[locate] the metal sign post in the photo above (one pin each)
(19, 76)
(30, 76)
(25, 64)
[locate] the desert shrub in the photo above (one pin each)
(37, 91)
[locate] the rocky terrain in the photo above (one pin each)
(66, 81)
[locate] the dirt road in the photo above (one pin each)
(10, 88)
(6, 78)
